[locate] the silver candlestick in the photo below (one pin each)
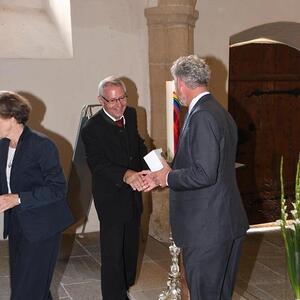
(173, 290)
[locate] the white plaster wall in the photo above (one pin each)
(218, 21)
(38, 4)
(109, 37)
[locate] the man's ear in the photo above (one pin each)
(99, 98)
(180, 84)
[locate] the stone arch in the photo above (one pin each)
(280, 32)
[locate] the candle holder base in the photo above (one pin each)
(173, 290)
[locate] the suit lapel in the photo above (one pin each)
(107, 118)
(121, 134)
(3, 161)
(186, 122)
(18, 153)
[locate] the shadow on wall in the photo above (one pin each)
(35, 122)
(133, 98)
(218, 81)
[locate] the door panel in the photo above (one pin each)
(264, 100)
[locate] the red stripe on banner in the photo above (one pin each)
(176, 120)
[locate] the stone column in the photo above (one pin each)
(171, 35)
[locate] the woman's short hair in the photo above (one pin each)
(192, 69)
(13, 105)
(110, 80)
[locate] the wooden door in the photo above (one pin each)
(264, 100)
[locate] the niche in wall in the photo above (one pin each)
(35, 29)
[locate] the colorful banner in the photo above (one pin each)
(176, 120)
(173, 119)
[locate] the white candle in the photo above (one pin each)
(170, 88)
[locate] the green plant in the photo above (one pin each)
(291, 231)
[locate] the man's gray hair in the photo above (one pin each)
(110, 80)
(192, 69)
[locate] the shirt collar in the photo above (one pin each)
(111, 117)
(196, 99)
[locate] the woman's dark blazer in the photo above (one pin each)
(37, 177)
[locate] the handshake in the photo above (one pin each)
(146, 180)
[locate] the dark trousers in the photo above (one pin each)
(31, 265)
(211, 273)
(119, 252)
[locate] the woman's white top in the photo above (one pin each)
(10, 158)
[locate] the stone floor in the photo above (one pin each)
(262, 273)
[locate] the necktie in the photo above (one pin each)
(120, 123)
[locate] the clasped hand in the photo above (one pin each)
(8, 201)
(146, 180)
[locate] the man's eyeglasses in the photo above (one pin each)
(113, 101)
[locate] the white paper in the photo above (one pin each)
(153, 160)
(239, 165)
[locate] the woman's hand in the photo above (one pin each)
(8, 201)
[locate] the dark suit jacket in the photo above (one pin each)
(205, 204)
(37, 177)
(111, 151)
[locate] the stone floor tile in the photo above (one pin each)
(57, 289)
(84, 291)
(4, 248)
(258, 274)
(146, 295)
(250, 292)
(164, 263)
(280, 291)
(5, 289)
(275, 238)
(78, 269)
(4, 266)
(269, 249)
(151, 276)
(89, 239)
(70, 247)
(96, 256)
(276, 263)
(262, 272)
(237, 297)
(156, 250)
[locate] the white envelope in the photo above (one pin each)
(153, 160)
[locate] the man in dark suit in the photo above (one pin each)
(115, 153)
(208, 220)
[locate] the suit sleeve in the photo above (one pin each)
(54, 185)
(204, 150)
(141, 144)
(143, 151)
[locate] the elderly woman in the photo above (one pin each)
(33, 199)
